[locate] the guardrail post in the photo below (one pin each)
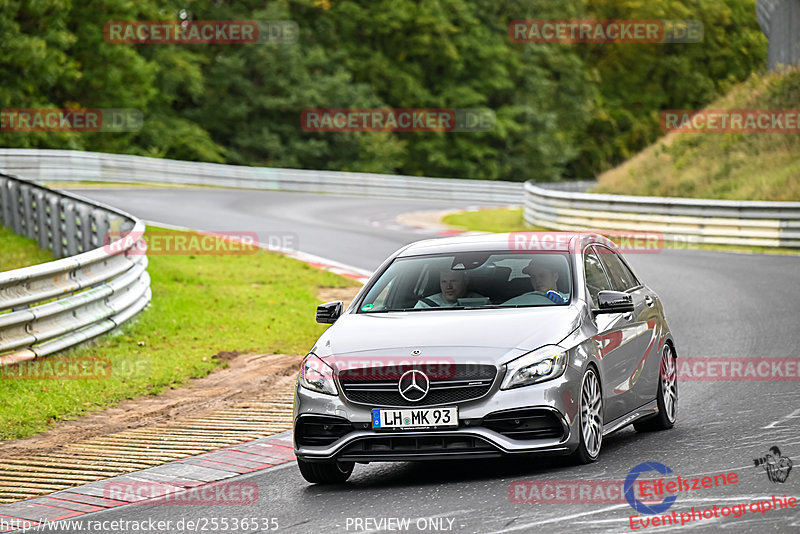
(4, 202)
(69, 226)
(99, 228)
(26, 208)
(83, 227)
(39, 208)
(53, 226)
(14, 220)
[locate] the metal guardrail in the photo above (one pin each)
(48, 307)
(562, 205)
(780, 22)
(69, 165)
(680, 220)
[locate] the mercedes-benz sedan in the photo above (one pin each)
(484, 346)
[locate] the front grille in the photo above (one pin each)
(320, 429)
(523, 424)
(416, 447)
(466, 382)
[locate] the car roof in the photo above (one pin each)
(550, 241)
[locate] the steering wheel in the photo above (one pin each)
(430, 302)
(552, 296)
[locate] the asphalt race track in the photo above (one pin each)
(718, 305)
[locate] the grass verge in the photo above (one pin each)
(490, 220)
(202, 305)
(17, 251)
(511, 220)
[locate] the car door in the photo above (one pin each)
(643, 381)
(641, 333)
(617, 355)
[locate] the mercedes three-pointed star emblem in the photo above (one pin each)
(413, 385)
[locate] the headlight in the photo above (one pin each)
(317, 375)
(542, 364)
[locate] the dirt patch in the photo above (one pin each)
(226, 355)
(426, 219)
(247, 376)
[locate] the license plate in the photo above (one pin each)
(416, 418)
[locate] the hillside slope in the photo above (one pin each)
(740, 166)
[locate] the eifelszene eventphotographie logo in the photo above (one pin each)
(776, 466)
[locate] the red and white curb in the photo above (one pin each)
(348, 271)
(164, 483)
(420, 222)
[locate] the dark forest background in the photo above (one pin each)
(563, 111)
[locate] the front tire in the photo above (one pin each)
(667, 396)
(591, 419)
(325, 472)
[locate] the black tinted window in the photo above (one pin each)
(622, 278)
(471, 280)
(596, 279)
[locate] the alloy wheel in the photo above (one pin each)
(592, 413)
(669, 384)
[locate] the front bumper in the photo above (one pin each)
(477, 436)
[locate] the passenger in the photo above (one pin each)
(454, 286)
(543, 271)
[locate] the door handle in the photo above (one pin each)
(649, 301)
(628, 316)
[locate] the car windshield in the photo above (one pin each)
(471, 281)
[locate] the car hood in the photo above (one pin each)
(494, 333)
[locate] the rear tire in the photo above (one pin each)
(667, 396)
(591, 419)
(325, 472)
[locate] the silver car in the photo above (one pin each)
(484, 346)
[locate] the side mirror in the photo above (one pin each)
(329, 312)
(614, 302)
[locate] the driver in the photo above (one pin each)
(453, 285)
(543, 271)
